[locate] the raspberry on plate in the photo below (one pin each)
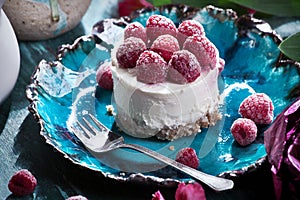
(129, 51)
(135, 29)
(104, 76)
(151, 68)
(183, 67)
(189, 28)
(244, 131)
(257, 107)
(188, 157)
(165, 45)
(22, 183)
(157, 25)
(205, 51)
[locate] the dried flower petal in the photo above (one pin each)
(282, 141)
(191, 191)
(127, 6)
(157, 196)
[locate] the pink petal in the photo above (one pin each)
(157, 196)
(191, 191)
(127, 6)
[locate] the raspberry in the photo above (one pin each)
(151, 68)
(244, 131)
(129, 51)
(22, 183)
(188, 157)
(104, 77)
(189, 28)
(78, 197)
(257, 107)
(221, 64)
(157, 25)
(205, 51)
(183, 67)
(135, 29)
(165, 45)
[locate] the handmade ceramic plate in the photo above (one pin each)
(63, 90)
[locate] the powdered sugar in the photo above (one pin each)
(129, 52)
(257, 107)
(184, 67)
(157, 25)
(205, 51)
(189, 28)
(135, 29)
(165, 45)
(244, 131)
(151, 68)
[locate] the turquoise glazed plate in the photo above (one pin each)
(63, 90)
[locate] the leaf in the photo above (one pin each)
(161, 2)
(291, 47)
(273, 7)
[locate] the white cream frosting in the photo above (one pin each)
(143, 110)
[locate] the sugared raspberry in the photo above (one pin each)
(221, 64)
(165, 45)
(151, 68)
(135, 29)
(183, 67)
(77, 197)
(188, 157)
(244, 131)
(189, 28)
(205, 51)
(104, 76)
(129, 51)
(257, 107)
(157, 25)
(22, 183)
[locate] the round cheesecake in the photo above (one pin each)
(166, 110)
(165, 79)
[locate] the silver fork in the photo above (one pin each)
(101, 140)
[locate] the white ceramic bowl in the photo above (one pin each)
(9, 57)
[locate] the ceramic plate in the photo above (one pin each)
(65, 89)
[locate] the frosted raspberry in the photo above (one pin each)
(22, 183)
(135, 29)
(257, 107)
(151, 68)
(157, 25)
(157, 196)
(221, 64)
(189, 28)
(244, 131)
(78, 197)
(183, 67)
(205, 51)
(188, 157)
(104, 76)
(190, 191)
(129, 51)
(165, 45)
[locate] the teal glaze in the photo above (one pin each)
(250, 61)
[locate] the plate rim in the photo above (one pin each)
(31, 91)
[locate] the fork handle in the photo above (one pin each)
(216, 183)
